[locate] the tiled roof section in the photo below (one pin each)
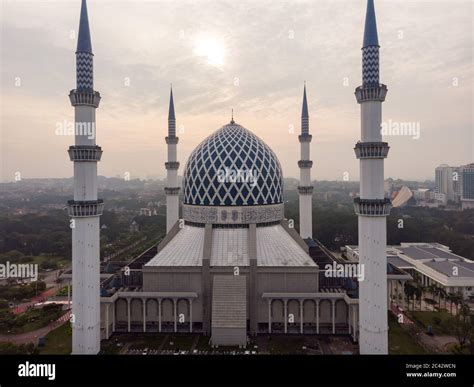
(440, 253)
(398, 262)
(185, 249)
(229, 301)
(453, 268)
(230, 247)
(275, 247)
(421, 253)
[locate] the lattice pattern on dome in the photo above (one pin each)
(237, 149)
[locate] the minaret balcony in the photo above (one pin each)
(305, 137)
(305, 190)
(85, 208)
(172, 190)
(85, 152)
(172, 165)
(371, 150)
(78, 97)
(371, 93)
(171, 140)
(372, 207)
(305, 163)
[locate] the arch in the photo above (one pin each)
(309, 311)
(278, 311)
(151, 309)
(121, 310)
(136, 309)
(325, 311)
(341, 311)
(167, 310)
(182, 308)
(293, 308)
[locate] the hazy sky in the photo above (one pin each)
(252, 56)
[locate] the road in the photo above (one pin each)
(50, 280)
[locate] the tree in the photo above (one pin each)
(461, 325)
(441, 294)
(450, 297)
(410, 294)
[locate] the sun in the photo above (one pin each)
(211, 49)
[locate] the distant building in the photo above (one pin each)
(402, 197)
(467, 186)
(457, 183)
(388, 186)
(422, 194)
(134, 227)
(145, 211)
(440, 197)
(446, 176)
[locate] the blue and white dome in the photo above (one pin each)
(232, 167)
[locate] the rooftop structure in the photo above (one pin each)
(432, 263)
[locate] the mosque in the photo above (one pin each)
(231, 265)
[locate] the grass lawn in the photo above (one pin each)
(34, 319)
(59, 341)
(63, 292)
(399, 340)
(424, 319)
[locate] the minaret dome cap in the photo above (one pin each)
(84, 37)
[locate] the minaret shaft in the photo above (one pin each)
(371, 207)
(172, 165)
(85, 209)
(305, 189)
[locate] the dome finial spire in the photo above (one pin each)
(232, 119)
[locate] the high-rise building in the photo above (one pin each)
(372, 207)
(446, 179)
(85, 209)
(467, 186)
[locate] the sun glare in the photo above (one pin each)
(210, 49)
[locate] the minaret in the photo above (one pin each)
(372, 207)
(86, 208)
(305, 189)
(172, 165)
